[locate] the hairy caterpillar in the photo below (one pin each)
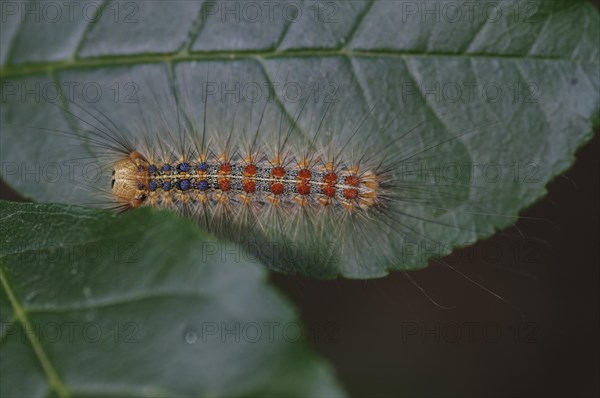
(246, 181)
(306, 185)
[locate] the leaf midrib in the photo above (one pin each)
(124, 60)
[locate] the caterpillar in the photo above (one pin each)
(137, 180)
(273, 176)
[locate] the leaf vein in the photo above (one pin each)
(91, 23)
(110, 61)
(118, 301)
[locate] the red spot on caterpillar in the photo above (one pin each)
(329, 189)
(277, 188)
(278, 172)
(352, 181)
(250, 170)
(304, 174)
(249, 186)
(303, 188)
(350, 193)
(224, 181)
(224, 184)
(225, 168)
(330, 178)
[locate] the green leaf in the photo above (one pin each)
(141, 305)
(531, 68)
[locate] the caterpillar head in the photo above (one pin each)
(129, 179)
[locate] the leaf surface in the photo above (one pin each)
(92, 304)
(525, 71)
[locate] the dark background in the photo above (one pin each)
(546, 346)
